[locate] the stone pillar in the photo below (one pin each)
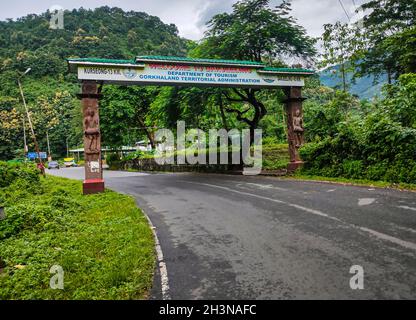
(94, 182)
(294, 116)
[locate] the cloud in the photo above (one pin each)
(191, 15)
(313, 16)
(211, 8)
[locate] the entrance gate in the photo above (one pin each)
(174, 71)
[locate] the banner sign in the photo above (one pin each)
(34, 155)
(174, 74)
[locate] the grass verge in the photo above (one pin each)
(355, 182)
(275, 156)
(103, 243)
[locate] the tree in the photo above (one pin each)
(400, 101)
(402, 46)
(339, 45)
(10, 127)
(103, 32)
(385, 30)
(254, 31)
(123, 110)
(64, 129)
(198, 107)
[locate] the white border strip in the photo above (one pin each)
(109, 64)
(162, 264)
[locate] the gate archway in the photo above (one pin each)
(175, 71)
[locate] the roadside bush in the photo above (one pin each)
(61, 199)
(364, 141)
(10, 172)
(400, 101)
(275, 156)
(379, 150)
(377, 171)
(113, 160)
(92, 238)
(353, 169)
(21, 189)
(25, 216)
(134, 155)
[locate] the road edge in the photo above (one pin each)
(164, 279)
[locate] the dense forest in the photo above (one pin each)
(346, 137)
(49, 88)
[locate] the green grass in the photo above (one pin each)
(275, 156)
(355, 182)
(103, 243)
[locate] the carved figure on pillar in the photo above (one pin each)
(90, 95)
(298, 128)
(295, 126)
(91, 132)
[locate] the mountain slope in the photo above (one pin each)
(104, 32)
(365, 87)
(29, 42)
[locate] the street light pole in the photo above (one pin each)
(49, 147)
(29, 119)
(24, 137)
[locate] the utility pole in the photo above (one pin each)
(25, 150)
(49, 147)
(29, 119)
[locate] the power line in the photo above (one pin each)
(355, 5)
(346, 13)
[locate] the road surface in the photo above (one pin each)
(236, 237)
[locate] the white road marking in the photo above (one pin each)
(264, 186)
(382, 236)
(407, 208)
(403, 228)
(162, 264)
(316, 212)
(332, 190)
(366, 201)
(403, 243)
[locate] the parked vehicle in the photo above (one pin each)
(53, 165)
(70, 162)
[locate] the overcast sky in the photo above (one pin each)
(190, 15)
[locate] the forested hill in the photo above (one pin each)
(104, 32)
(49, 89)
(366, 87)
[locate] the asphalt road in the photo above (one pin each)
(236, 237)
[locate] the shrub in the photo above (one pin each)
(377, 171)
(352, 169)
(376, 142)
(386, 151)
(134, 155)
(113, 160)
(24, 216)
(10, 172)
(92, 238)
